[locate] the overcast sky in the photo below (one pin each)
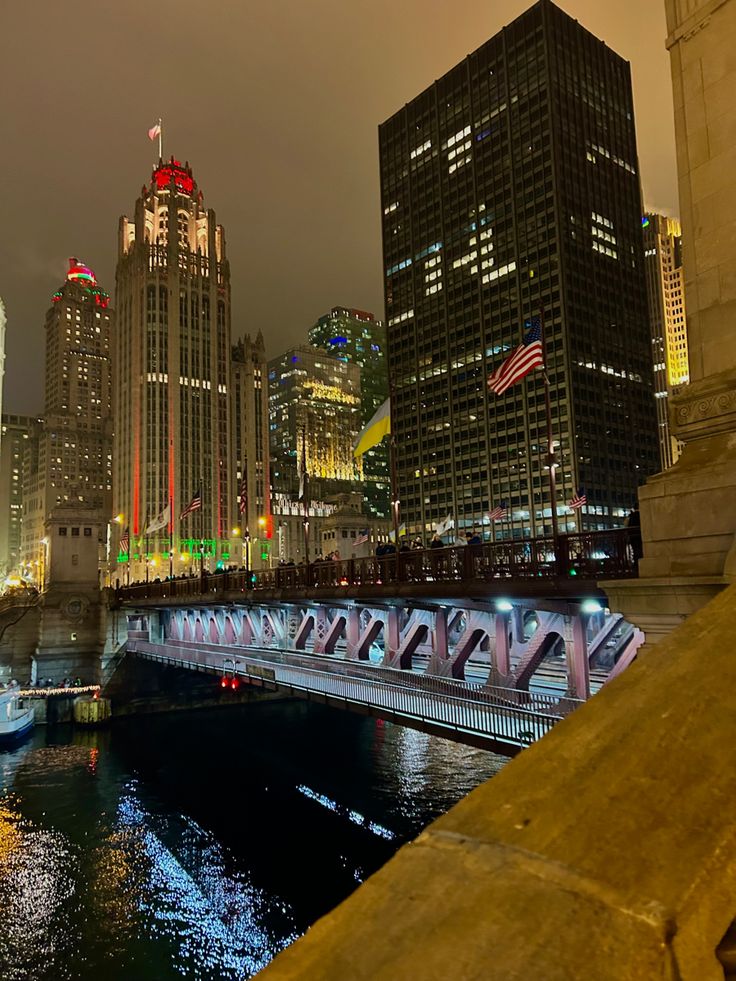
(276, 105)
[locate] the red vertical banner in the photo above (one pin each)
(136, 477)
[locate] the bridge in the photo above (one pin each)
(490, 645)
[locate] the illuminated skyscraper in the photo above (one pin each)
(72, 449)
(314, 407)
(510, 187)
(666, 292)
(172, 372)
(357, 337)
(2, 354)
(16, 432)
(250, 453)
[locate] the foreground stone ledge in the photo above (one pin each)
(606, 851)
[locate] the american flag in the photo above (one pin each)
(577, 500)
(194, 505)
(527, 356)
(243, 497)
(125, 541)
(362, 537)
(498, 513)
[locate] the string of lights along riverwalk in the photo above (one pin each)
(509, 190)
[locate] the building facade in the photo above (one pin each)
(3, 322)
(68, 455)
(510, 189)
(357, 337)
(315, 416)
(253, 529)
(16, 433)
(173, 355)
(666, 295)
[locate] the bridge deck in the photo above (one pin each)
(493, 718)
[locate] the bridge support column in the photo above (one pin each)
(500, 658)
(576, 655)
(439, 661)
(352, 634)
(391, 636)
(156, 631)
(321, 625)
(517, 625)
(293, 622)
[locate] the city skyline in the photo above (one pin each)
(332, 208)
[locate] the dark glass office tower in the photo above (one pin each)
(510, 187)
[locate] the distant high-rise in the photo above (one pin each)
(250, 453)
(315, 412)
(666, 292)
(71, 459)
(172, 373)
(16, 432)
(2, 355)
(357, 337)
(509, 187)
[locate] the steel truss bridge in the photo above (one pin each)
(487, 644)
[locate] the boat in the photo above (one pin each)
(15, 722)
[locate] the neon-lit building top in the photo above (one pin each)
(174, 170)
(79, 272)
(81, 275)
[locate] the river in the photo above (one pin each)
(197, 845)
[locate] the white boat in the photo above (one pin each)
(15, 722)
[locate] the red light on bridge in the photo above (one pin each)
(224, 683)
(235, 684)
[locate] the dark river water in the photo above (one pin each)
(198, 845)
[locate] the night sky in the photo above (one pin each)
(276, 106)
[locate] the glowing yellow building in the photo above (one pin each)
(666, 293)
(315, 415)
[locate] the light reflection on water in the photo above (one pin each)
(149, 853)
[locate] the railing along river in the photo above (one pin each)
(592, 555)
(500, 715)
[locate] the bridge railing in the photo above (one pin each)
(455, 688)
(588, 555)
(502, 720)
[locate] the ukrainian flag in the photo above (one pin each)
(377, 428)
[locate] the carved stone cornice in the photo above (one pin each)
(705, 408)
(691, 17)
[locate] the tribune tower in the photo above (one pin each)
(172, 412)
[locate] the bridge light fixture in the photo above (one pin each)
(591, 606)
(503, 606)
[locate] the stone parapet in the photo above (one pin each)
(705, 408)
(606, 851)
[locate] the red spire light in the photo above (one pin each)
(182, 177)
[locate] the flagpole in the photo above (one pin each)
(305, 497)
(246, 522)
(550, 442)
(395, 503)
(171, 539)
